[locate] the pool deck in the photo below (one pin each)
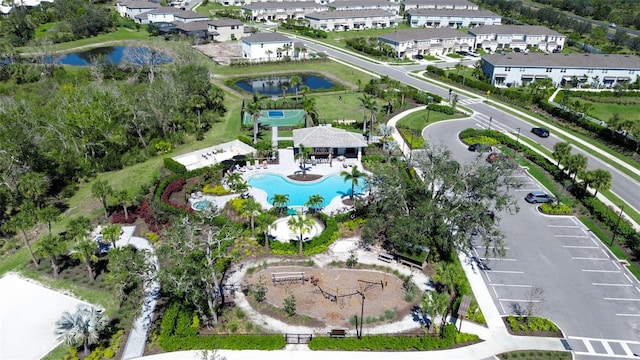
(288, 166)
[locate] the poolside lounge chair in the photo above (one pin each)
(264, 164)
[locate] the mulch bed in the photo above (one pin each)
(307, 177)
(557, 334)
(312, 302)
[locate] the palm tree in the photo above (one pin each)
(354, 176)
(300, 224)
(101, 190)
(576, 164)
(123, 198)
(373, 111)
(434, 303)
(78, 228)
(48, 215)
(264, 222)
(445, 274)
(280, 201)
(561, 151)
(269, 52)
(254, 109)
(302, 156)
(310, 111)
(366, 102)
(197, 103)
(251, 209)
(82, 327)
(286, 48)
(33, 186)
(111, 233)
(85, 251)
(315, 202)
(23, 222)
(295, 82)
(599, 180)
(51, 246)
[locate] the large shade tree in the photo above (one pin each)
(51, 246)
(440, 209)
(194, 261)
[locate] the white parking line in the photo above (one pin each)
(519, 300)
(509, 285)
(629, 315)
(621, 299)
(505, 271)
(628, 279)
(603, 284)
(499, 259)
(601, 271)
(589, 258)
(563, 226)
(604, 252)
(571, 236)
(580, 247)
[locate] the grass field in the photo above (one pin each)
(206, 9)
(420, 119)
(120, 35)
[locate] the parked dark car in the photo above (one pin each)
(542, 132)
(493, 157)
(478, 147)
(535, 197)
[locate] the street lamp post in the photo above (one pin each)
(518, 140)
(615, 231)
(490, 119)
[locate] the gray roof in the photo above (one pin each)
(191, 26)
(326, 136)
(564, 60)
(283, 5)
(452, 12)
(438, 2)
(139, 4)
(348, 14)
(399, 36)
(266, 37)
(513, 29)
(165, 10)
(190, 15)
(362, 3)
(225, 22)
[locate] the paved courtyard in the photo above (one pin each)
(28, 313)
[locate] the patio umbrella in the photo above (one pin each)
(240, 160)
(228, 164)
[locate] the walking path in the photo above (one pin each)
(137, 339)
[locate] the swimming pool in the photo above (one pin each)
(328, 187)
(201, 205)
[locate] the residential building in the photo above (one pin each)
(341, 5)
(196, 29)
(520, 37)
(352, 20)
(280, 10)
(225, 29)
(597, 70)
(452, 18)
(438, 41)
(167, 14)
(130, 8)
(439, 4)
(267, 46)
(325, 141)
(247, 2)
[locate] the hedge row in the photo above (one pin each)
(449, 338)
(174, 166)
(317, 245)
(226, 342)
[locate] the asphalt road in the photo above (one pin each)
(623, 186)
(584, 289)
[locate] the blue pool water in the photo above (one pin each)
(201, 205)
(328, 187)
(275, 113)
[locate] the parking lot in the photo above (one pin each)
(557, 267)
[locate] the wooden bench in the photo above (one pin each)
(338, 333)
(385, 257)
(287, 277)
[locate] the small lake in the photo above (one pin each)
(272, 85)
(113, 54)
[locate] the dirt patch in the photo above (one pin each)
(384, 295)
(222, 53)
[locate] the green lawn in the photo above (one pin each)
(209, 8)
(342, 106)
(420, 119)
(42, 31)
(335, 37)
(120, 35)
(604, 111)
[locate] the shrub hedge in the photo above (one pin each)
(555, 209)
(395, 343)
(317, 245)
(174, 166)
